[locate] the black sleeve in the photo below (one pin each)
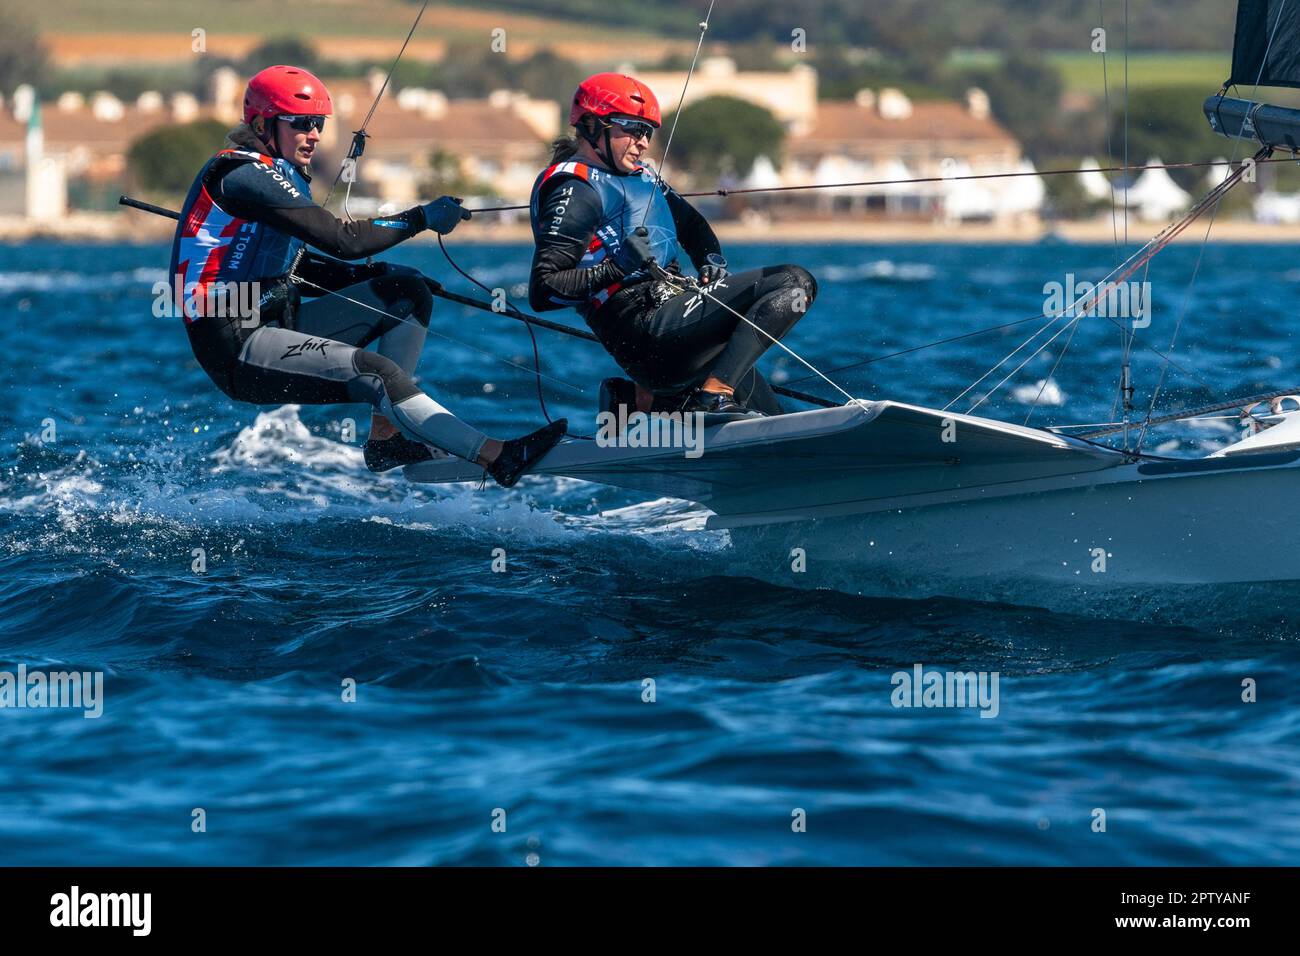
(258, 192)
(570, 214)
(694, 233)
(322, 274)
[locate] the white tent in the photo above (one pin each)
(965, 198)
(1021, 194)
(830, 172)
(1273, 207)
(893, 171)
(1217, 173)
(762, 176)
(1155, 194)
(1094, 182)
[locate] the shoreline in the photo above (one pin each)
(143, 227)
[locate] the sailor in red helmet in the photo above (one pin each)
(246, 220)
(684, 351)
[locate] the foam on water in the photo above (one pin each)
(879, 270)
(13, 283)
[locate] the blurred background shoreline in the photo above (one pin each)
(904, 99)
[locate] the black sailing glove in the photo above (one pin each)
(442, 215)
(635, 253)
(713, 270)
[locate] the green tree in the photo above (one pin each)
(545, 75)
(724, 134)
(1168, 122)
(446, 179)
(474, 73)
(843, 71)
(285, 50)
(1066, 198)
(1025, 95)
(23, 58)
(165, 160)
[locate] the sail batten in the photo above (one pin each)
(1266, 48)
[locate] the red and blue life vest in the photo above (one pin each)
(627, 202)
(211, 245)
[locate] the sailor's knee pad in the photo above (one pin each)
(803, 278)
(406, 294)
(378, 376)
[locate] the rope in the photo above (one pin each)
(1133, 263)
(359, 136)
(400, 318)
(1155, 394)
(537, 357)
(775, 341)
(663, 163)
(928, 179)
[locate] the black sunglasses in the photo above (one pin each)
(634, 127)
(304, 124)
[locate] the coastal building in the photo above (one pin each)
(789, 95)
(883, 154)
(421, 142)
(493, 145)
(47, 191)
(913, 159)
(879, 138)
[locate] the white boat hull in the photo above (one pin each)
(885, 497)
(1118, 529)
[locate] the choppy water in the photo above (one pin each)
(523, 690)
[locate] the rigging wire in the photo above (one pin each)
(1127, 179)
(1245, 404)
(537, 357)
(1105, 85)
(475, 348)
(681, 100)
(1182, 312)
(359, 136)
(922, 179)
(1110, 149)
(1074, 327)
(967, 335)
(703, 293)
(1126, 333)
(1133, 263)
(1073, 323)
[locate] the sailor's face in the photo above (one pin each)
(295, 146)
(627, 149)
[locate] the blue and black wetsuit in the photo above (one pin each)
(246, 220)
(667, 340)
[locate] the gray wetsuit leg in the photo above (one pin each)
(322, 361)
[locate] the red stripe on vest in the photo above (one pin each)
(581, 170)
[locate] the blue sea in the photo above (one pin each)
(622, 692)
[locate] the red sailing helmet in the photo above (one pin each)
(607, 93)
(286, 90)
